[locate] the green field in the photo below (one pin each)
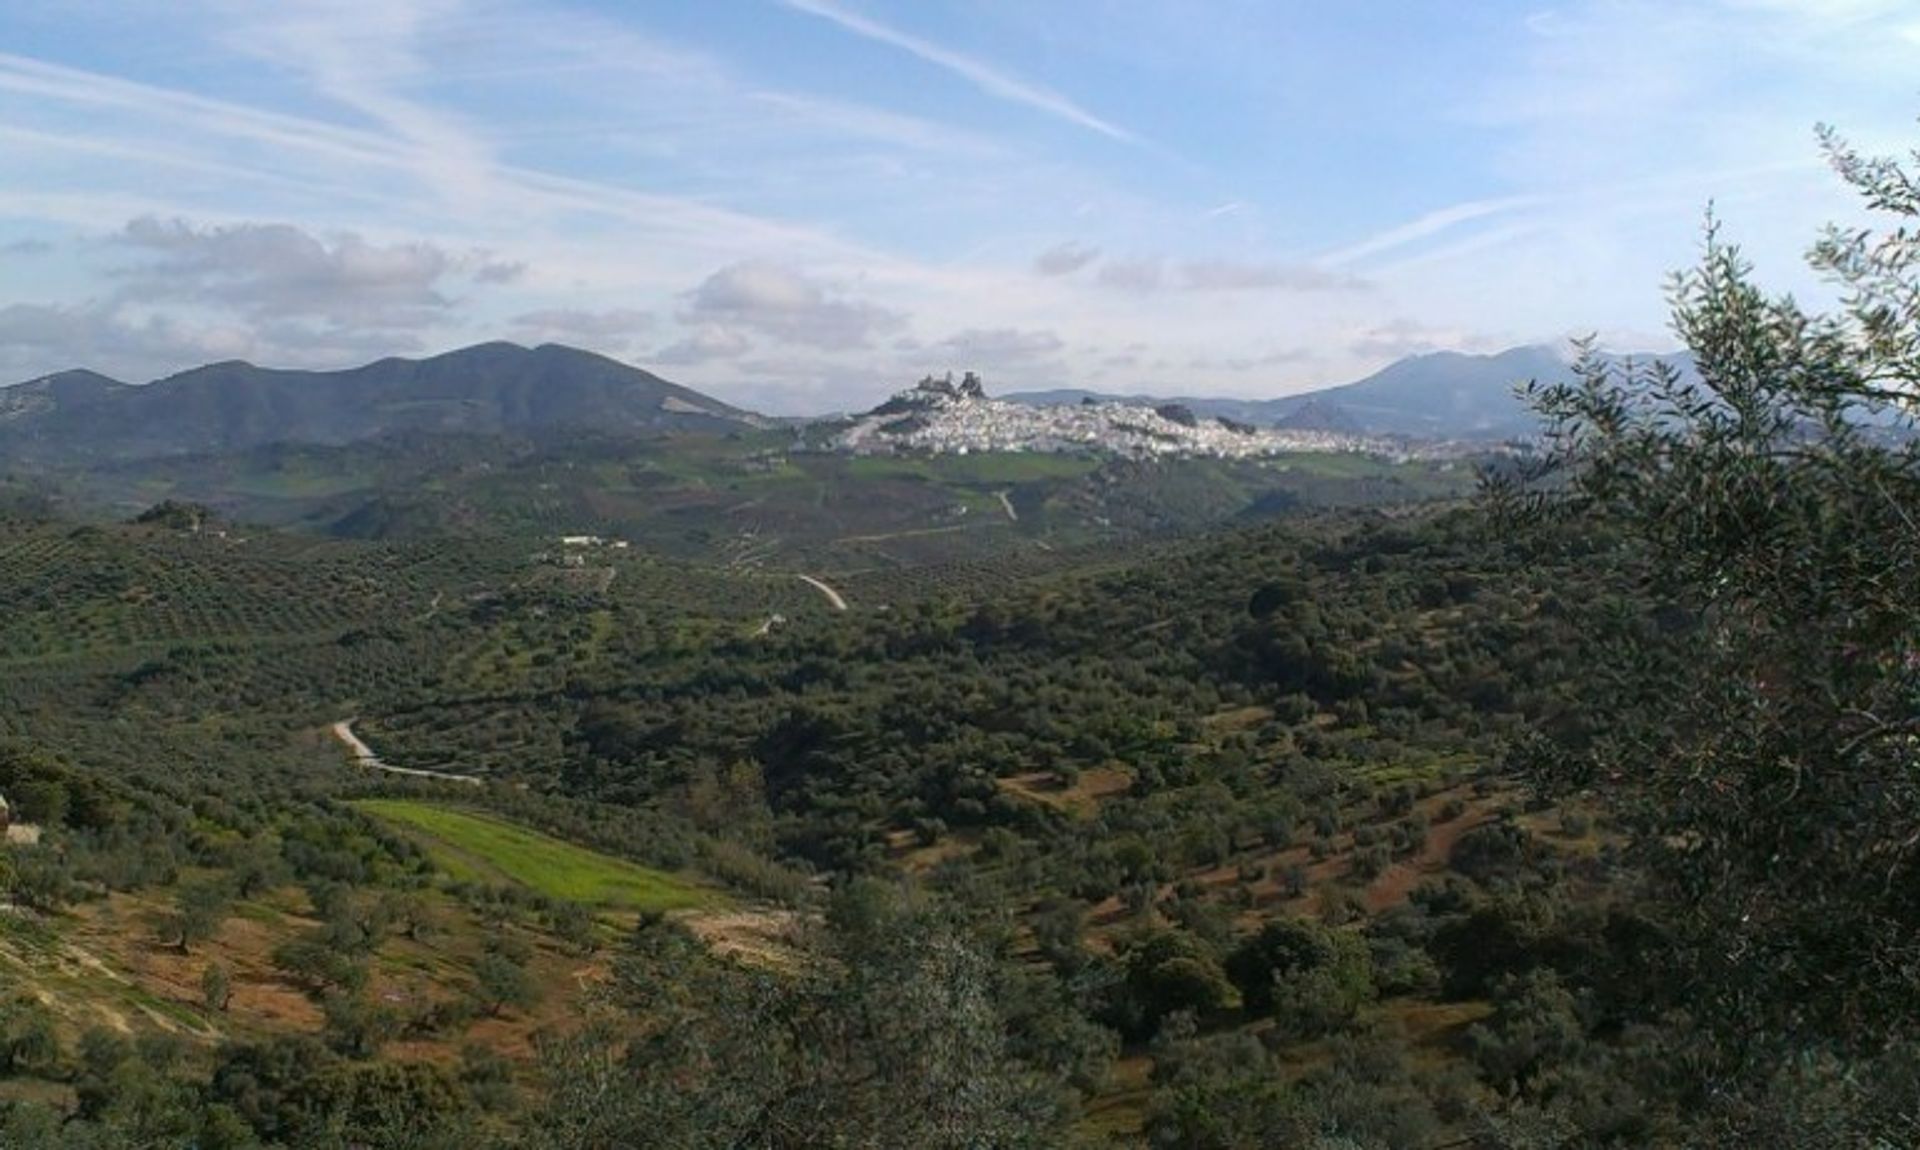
(473, 847)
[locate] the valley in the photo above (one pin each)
(512, 748)
(1169, 787)
(1112, 742)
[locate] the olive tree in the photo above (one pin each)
(888, 1031)
(1758, 725)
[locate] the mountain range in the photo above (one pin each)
(1441, 395)
(491, 388)
(80, 417)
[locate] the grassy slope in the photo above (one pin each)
(478, 848)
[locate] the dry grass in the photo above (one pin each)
(1082, 799)
(107, 966)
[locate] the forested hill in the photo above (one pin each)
(1100, 773)
(486, 389)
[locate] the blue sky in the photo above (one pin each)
(803, 204)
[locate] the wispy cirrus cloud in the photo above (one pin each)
(364, 168)
(980, 74)
(368, 57)
(826, 224)
(1425, 226)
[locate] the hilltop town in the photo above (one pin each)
(940, 416)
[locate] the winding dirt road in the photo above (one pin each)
(363, 756)
(833, 596)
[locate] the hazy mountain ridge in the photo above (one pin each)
(80, 416)
(486, 389)
(1438, 395)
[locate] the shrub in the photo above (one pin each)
(1309, 977)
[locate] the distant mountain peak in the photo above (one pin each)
(1434, 395)
(74, 378)
(1319, 415)
(488, 388)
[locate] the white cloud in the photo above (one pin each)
(778, 301)
(1288, 357)
(183, 293)
(1134, 275)
(613, 329)
(1148, 274)
(704, 344)
(1233, 275)
(93, 335)
(1402, 337)
(281, 272)
(996, 347)
(135, 344)
(1064, 259)
(456, 170)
